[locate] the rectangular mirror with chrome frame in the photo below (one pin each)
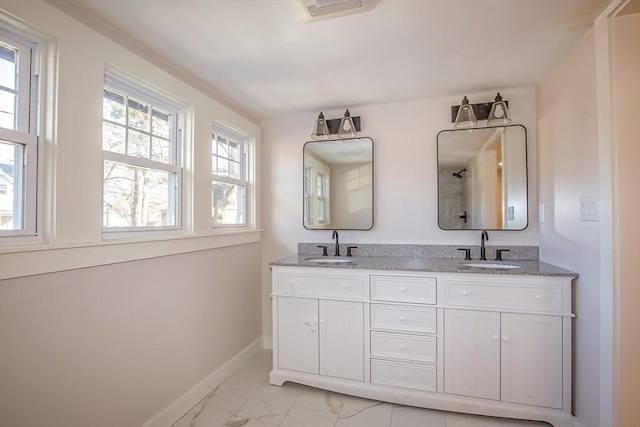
(338, 184)
(482, 179)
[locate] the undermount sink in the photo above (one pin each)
(492, 265)
(329, 260)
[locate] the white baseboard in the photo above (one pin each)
(173, 412)
(267, 342)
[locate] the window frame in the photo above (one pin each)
(133, 88)
(29, 104)
(246, 172)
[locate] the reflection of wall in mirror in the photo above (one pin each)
(515, 184)
(352, 185)
(453, 193)
(316, 167)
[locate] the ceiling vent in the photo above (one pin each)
(316, 10)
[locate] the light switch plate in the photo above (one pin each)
(589, 209)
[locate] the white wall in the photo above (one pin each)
(568, 170)
(626, 105)
(405, 177)
(115, 345)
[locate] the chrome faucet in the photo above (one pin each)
(335, 236)
(483, 236)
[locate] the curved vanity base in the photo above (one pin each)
(425, 399)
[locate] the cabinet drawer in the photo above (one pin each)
(403, 318)
(324, 285)
(407, 347)
(503, 296)
(404, 289)
(422, 377)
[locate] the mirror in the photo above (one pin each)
(482, 179)
(338, 184)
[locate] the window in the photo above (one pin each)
(141, 146)
(307, 194)
(229, 178)
(321, 193)
(19, 96)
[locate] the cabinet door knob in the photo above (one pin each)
(496, 337)
(505, 338)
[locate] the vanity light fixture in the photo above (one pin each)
(320, 130)
(499, 114)
(346, 127)
(466, 117)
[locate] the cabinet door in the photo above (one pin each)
(298, 334)
(342, 339)
(532, 359)
(472, 353)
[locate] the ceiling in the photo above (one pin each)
(263, 61)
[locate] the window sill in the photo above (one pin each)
(42, 259)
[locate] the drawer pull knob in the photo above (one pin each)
(465, 293)
(403, 347)
(345, 286)
(403, 289)
(402, 318)
(538, 296)
(402, 375)
(292, 283)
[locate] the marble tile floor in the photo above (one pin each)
(246, 399)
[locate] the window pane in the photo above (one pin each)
(113, 107)
(137, 197)
(321, 210)
(160, 150)
(113, 137)
(161, 124)
(11, 189)
(228, 204)
(234, 151)
(139, 144)
(8, 67)
(7, 110)
(222, 167)
(234, 170)
(139, 115)
(221, 149)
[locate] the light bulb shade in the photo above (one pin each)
(347, 129)
(320, 129)
(499, 113)
(466, 117)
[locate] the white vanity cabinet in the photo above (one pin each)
(403, 350)
(487, 344)
(512, 349)
(319, 321)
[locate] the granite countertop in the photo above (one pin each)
(436, 265)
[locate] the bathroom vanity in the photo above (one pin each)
(432, 333)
